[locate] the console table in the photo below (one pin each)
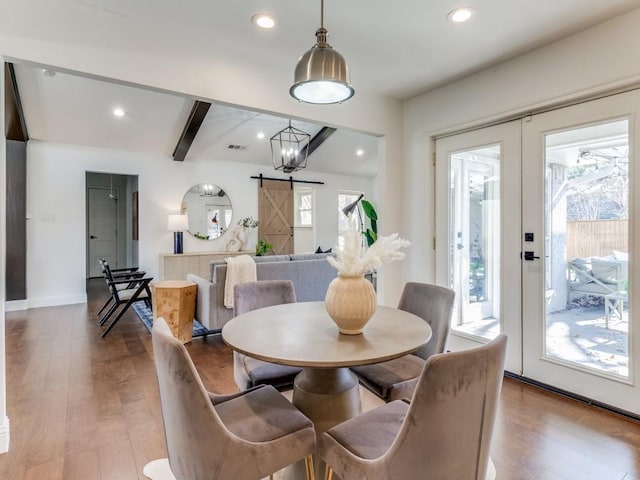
(176, 266)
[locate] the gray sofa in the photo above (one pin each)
(310, 273)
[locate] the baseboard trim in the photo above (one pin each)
(56, 301)
(574, 396)
(4, 435)
(16, 305)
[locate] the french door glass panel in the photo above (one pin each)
(578, 202)
(475, 174)
(474, 240)
(587, 240)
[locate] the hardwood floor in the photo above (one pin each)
(82, 407)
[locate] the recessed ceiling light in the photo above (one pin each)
(48, 72)
(461, 14)
(263, 20)
(260, 135)
(118, 112)
(359, 152)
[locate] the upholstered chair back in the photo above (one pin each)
(434, 304)
(195, 436)
(265, 293)
(450, 421)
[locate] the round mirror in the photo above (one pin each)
(209, 210)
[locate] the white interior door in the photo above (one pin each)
(580, 205)
(478, 235)
(102, 232)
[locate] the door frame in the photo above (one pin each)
(127, 245)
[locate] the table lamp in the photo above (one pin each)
(178, 224)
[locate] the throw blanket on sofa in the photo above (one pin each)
(240, 269)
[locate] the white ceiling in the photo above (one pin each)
(396, 49)
(79, 110)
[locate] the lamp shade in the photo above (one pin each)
(348, 210)
(321, 75)
(178, 223)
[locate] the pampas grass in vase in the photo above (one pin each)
(351, 300)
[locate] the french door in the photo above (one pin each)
(477, 234)
(580, 207)
(537, 227)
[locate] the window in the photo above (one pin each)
(304, 208)
(345, 199)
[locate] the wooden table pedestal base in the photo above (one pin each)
(327, 396)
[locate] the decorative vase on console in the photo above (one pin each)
(242, 230)
(351, 300)
(234, 244)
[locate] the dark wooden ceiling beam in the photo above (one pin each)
(317, 140)
(196, 117)
(15, 123)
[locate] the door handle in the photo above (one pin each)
(92, 236)
(529, 256)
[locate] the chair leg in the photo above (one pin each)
(328, 473)
(105, 305)
(108, 314)
(115, 320)
(308, 463)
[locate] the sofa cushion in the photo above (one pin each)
(605, 269)
(311, 278)
(270, 258)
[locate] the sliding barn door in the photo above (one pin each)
(275, 210)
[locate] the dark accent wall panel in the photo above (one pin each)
(16, 264)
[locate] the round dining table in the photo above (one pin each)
(303, 335)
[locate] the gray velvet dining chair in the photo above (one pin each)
(248, 371)
(242, 436)
(396, 379)
(443, 434)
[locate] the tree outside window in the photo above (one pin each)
(304, 208)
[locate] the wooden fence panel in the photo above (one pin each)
(597, 238)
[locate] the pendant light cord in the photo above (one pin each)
(321, 13)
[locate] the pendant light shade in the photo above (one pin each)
(322, 74)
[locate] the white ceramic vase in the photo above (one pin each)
(351, 302)
(242, 234)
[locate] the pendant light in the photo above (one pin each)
(322, 74)
(289, 149)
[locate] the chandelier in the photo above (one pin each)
(289, 149)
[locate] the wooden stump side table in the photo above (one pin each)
(175, 301)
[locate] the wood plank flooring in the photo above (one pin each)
(82, 407)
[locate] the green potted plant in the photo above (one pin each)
(263, 247)
(370, 232)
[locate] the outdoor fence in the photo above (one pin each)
(597, 238)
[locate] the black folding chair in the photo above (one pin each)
(124, 291)
(117, 274)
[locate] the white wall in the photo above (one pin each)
(132, 60)
(56, 189)
(596, 60)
